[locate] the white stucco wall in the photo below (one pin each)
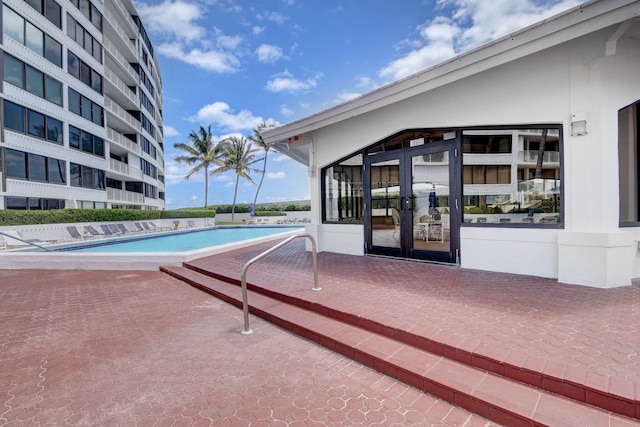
(543, 88)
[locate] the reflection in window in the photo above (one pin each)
(511, 176)
(16, 164)
(343, 191)
(37, 168)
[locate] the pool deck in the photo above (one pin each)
(143, 348)
(120, 261)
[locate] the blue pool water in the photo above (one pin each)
(179, 242)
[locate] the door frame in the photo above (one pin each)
(404, 156)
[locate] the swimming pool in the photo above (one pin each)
(176, 241)
(125, 254)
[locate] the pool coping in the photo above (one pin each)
(120, 261)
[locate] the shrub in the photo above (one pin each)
(62, 216)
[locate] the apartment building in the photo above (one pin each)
(81, 107)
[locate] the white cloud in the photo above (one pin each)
(286, 82)
(175, 172)
(471, 23)
(257, 30)
(286, 111)
(364, 82)
(268, 53)
(225, 41)
(221, 115)
(194, 198)
(173, 18)
(276, 175)
(280, 158)
(169, 131)
(276, 17)
(346, 96)
(210, 60)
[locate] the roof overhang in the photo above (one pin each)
(571, 24)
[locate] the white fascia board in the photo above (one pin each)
(571, 24)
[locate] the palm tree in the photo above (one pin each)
(257, 138)
(239, 157)
(203, 152)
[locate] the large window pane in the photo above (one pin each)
(73, 64)
(74, 137)
(35, 123)
(17, 203)
(96, 81)
(87, 142)
(35, 39)
(12, 24)
(52, 50)
(57, 173)
(85, 107)
(13, 71)
(98, 146)
(35, 81)
(36, 4)
(16, 164)
(14, 116)
(54, 130)
(96, 17)
(99, 179)
(74, 102)
(37, 168)
(85, 74)
(71, 27)
(75, 175)
(343, 191)
(87, 177)
(511, 176)
(53, 90)
(97, 114)
(97, 51)
(53, 12)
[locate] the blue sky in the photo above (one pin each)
(233, 64)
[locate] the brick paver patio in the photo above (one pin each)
(118, 348)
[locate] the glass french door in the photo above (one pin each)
(412, 210)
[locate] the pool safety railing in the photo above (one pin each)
(245, 303)
(26, 242)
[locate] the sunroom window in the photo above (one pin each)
(343, 191)
(511, 176)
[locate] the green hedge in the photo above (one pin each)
(61, 216)
(261, 209)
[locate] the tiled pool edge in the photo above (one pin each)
(120, 261)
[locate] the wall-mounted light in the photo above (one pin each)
(578, 124)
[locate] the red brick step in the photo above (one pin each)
(486, 393)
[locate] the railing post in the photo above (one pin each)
(243, 281)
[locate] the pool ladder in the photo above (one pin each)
(245, 303)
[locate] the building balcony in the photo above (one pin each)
(120, 59)
(124, 169)
(122, 91)
(124, 37)
(117, 195)
(119, 139)
(531, 156)
(123, 115)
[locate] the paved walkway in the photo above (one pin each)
(122, 348)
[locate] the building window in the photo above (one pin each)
(84, 38)
(24, 32)
(511, 176)
(32, 203)
(35, 81)
(629, 159)
(84, 141)
(50, 9)
(38, 124)
(83, 106)
(90, 12)
(83, 72)
(33, 167)
(342, 185)
(14, 117)
(87, 177)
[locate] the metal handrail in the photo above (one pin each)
(245, 303)
(26, 241)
